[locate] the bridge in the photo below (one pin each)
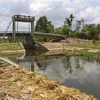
(36, 34)
(26, 36)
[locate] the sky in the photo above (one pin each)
(55, 10)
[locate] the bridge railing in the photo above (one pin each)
(23, 17)
(27, 32)
(37, 34)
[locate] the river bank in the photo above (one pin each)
(19, 83)
(7, 49)
(69, 47)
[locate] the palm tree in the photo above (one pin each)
(71, 19)
(68, 23)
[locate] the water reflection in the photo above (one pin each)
(76, 71)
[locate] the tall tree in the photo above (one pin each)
(80, 24)
(68, 23)
(43, 25)
(71, 17)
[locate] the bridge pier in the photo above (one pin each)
(14, 29)
(28, 43)
(32, 29)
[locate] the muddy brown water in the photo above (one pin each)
(76, 71)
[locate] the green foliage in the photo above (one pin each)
(74, 34)
(66, 28)
(88, 31)
(62, 30)
(58, 30)
(43, 25)
(94, 41)
(96, 54)
(43, 39)
(69, 20)
(84, 31)
(4, 40)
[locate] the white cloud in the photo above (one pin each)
(55, 10)
(95, 0)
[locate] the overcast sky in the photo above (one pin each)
(55, 10)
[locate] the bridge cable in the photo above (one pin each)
(7, 29)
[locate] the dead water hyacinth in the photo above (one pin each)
(18, 83)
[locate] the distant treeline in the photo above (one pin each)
(80, 30)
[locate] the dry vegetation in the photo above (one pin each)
(18, 83)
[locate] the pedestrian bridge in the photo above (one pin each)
(36, 34)
(26, 37)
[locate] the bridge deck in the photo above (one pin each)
(26, 33)
(23, 18)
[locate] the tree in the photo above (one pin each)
(58, 30)
(71, 19)
(67, 27)
(98, 31)
(90, 30)
(80, 24)
(68, 23)
(43, 25)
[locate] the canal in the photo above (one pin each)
(73, 71)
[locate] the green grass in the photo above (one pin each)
(11, 54)
(10, 46)
(93, 46)
(3, 63)
(96, 54)
(83, 53)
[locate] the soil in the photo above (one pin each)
(72, 41)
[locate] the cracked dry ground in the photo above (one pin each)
(18, 83)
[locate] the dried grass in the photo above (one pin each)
(21, 84)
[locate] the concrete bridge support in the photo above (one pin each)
(22, 18)
(14, 30)
(32, 29)
(28, 43)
